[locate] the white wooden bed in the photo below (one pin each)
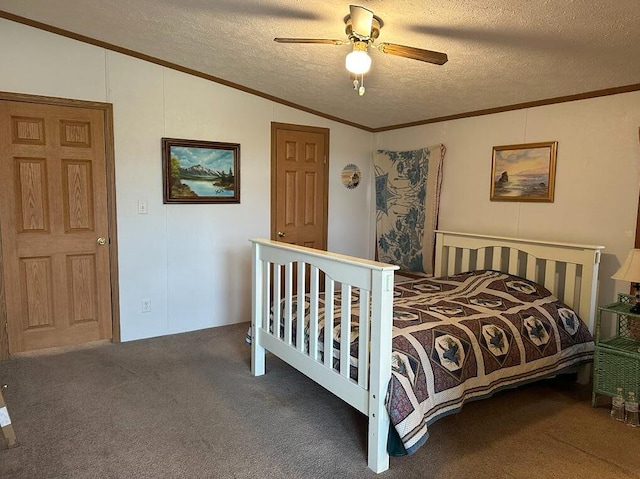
(279, 270)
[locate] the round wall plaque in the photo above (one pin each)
(351, 176)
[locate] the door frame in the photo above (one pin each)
(107, 111)
(275, 126)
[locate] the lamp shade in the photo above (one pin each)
(358, 61)
(630, 269)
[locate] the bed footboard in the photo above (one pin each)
(282, 274)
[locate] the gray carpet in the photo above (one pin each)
(187, 406)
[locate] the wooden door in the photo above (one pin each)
(299, 184)
(54, 225)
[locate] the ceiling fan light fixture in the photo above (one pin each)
(363, 28)
(358, 61)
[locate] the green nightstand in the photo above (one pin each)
(617, 359)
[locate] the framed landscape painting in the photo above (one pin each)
(196, 171)
(524, 172)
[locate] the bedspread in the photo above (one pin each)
(466, 336)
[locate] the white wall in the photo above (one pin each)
(191, 261)
(596, 191)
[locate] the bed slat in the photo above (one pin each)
(288, 301)
(363, 339)
(277, 297)
(451, 263)
(465, 262)
(513, 262)
(301, 293)
(497, 258)
(266, 292)
(481, 259)
(570, 285)
(314, 291)
(531, 268)
(328, 322)
(345, 329)
(550, 275)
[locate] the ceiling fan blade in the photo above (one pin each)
(310, 40)
(361, 21)
(413, 53)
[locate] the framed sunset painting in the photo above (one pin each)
(197, 171)
(524, 172)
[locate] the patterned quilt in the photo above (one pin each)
(465, 337)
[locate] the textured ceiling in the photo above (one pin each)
(501, 52)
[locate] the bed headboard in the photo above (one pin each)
(569, 271)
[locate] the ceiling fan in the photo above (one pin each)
(362, 29)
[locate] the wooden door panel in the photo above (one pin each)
(290, 199)
(81, 287)
(77, 195)
(37, 292)
(310, 200)
(31, 195)
(53, 209)
(291, 150)
(75, 134)
(311, 153)
(27, 130)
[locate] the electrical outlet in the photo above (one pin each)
(146, 305)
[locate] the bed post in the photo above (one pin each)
(438, 266)
(589, 286)
(257, 351)
(381, 326)
(587, 307)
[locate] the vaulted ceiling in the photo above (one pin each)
(501, 52)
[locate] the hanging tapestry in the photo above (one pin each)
(407, 198)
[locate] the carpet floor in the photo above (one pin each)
(186, 406)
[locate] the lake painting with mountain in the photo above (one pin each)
(201, 171)
(524, 172)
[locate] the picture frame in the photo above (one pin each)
(196, 171)
(524, 172)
